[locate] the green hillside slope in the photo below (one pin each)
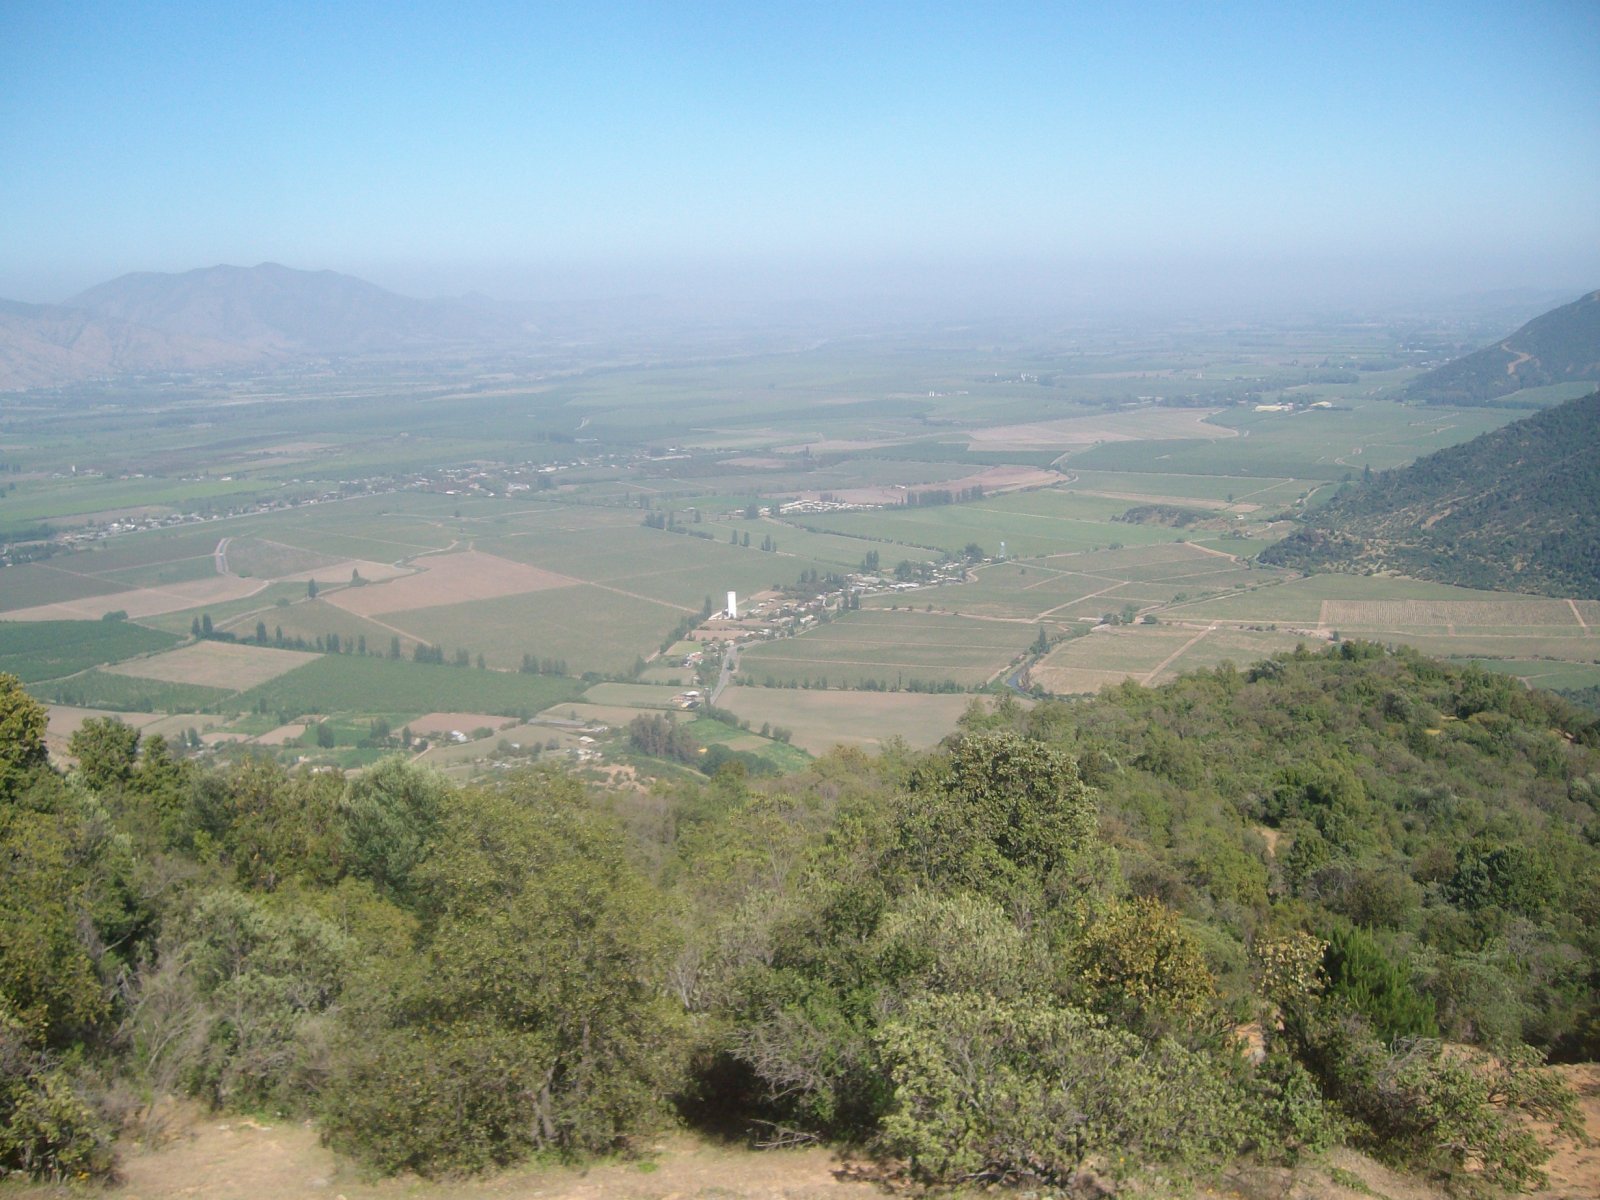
(1562, 346)
(1517, 509)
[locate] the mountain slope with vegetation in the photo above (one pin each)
(1562, 346)
(226, 317)
(1013, 959)
(43, 345)
(277, 308)
(1517, 509)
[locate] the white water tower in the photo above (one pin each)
(733, 607)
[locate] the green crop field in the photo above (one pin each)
(378, 686)
(1537, 672)
(38, 650)
(128, 693)
(894, 648)
(50, 583)
(591, 628)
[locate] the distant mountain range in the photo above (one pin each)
(233, 316)
(1562, 346)
(1517, 509)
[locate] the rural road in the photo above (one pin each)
(730, 664)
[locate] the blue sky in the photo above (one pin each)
(527, 148)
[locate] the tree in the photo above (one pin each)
(22, 725)
(311, 589)
(389, 815)
(394, 647)
(1137, 964)
(532, 1018)
(998, 812)
(261, 633)
(106, 750)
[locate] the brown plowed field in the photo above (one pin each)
(450, 579)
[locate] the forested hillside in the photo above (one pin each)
(1517, 509)
(1026, 952)
(1562, 346)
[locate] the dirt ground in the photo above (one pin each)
(242, 1159)
(239, 1158)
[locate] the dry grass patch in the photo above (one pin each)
(216, 664)
(444, 579)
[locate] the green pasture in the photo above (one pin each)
(951, 527)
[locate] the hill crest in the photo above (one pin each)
(1561, 346)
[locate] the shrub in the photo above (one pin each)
(47, 1130)
(233, 1011)
(1360, 974)
(1426, 1106)
(1024, 1091)
(530, 1018)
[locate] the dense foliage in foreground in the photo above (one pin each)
(1023, 953)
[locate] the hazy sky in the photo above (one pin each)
(531, 149)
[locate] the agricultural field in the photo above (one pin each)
(336, 683)
(894, 649)
(224, 665)
(129, 693)
(822, 720)
(1151, 654)
(39, 650)
(398, 509)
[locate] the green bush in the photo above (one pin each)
(534, 989)
(1426, 1106)
(1360, 974)
(234, 1010)
(47, 1130)
(1025, 1091)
